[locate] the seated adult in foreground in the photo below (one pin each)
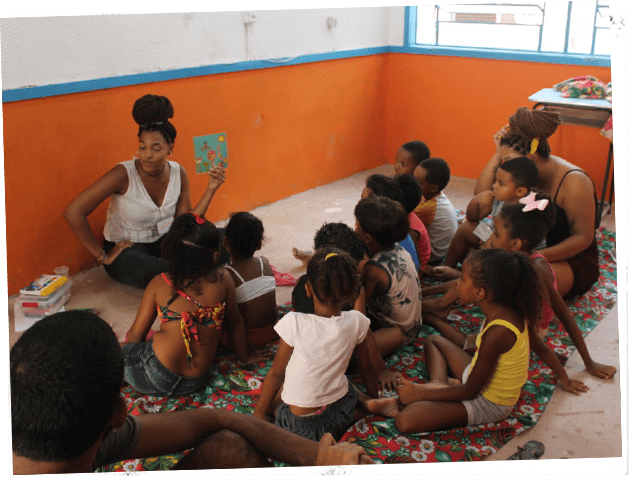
(68, 416)
(571, 246)
(146, 193)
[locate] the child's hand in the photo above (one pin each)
(407, 392)
(574, 386)
(388, 379)
(601, 370)
(258, 355)
(485, 198)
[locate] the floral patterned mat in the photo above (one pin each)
(237, 389)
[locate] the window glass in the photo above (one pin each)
(577, 27)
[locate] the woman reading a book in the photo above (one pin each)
(146, 193)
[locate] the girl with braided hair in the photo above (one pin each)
(570, 244)
(194, 302)
(146, 194)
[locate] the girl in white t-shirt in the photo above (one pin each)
(306, 388)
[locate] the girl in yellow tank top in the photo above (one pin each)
(464, 390)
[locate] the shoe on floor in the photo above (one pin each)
(530, 451)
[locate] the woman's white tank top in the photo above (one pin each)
(134, 216)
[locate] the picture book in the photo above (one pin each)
(210, 150)
(44, 285)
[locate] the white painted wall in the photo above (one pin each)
(39, 51)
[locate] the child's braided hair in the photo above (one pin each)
(189, 247)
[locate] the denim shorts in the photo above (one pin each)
(335, 418)
(147, 375)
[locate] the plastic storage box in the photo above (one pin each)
(39, 306)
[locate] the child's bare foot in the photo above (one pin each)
(301, 255)
(387, 407)
(445, 273)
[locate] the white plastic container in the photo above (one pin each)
(40, 306)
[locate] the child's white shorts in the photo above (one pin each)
(482, 411)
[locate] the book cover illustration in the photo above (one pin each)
(210, 150)
(44, 285)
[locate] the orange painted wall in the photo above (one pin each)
(456, 105)
(289, 129)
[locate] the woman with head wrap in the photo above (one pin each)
(146, 193)
(570, 244)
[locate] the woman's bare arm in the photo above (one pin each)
(113, 182)
(487, 176)
(216, 177)
(576, 199)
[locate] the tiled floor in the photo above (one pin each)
(586, 426)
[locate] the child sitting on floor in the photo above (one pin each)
(378, 185)
(411, 196)
(520, 227)
(409, 155)
(253, 278)
(464, 390)
(392, 287)
(436, 211)
(336, 235)
(514, 180)
(194, 301)
(314, 351)
(339, 235)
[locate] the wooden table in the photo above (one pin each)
(581, 112)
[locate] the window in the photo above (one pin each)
(567, 28)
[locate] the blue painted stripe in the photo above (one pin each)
(20, 94)
(515, 55)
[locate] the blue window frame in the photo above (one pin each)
(569, 32)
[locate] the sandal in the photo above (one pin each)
(530, 451)
(283, 279)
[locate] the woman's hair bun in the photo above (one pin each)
(152, 108)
